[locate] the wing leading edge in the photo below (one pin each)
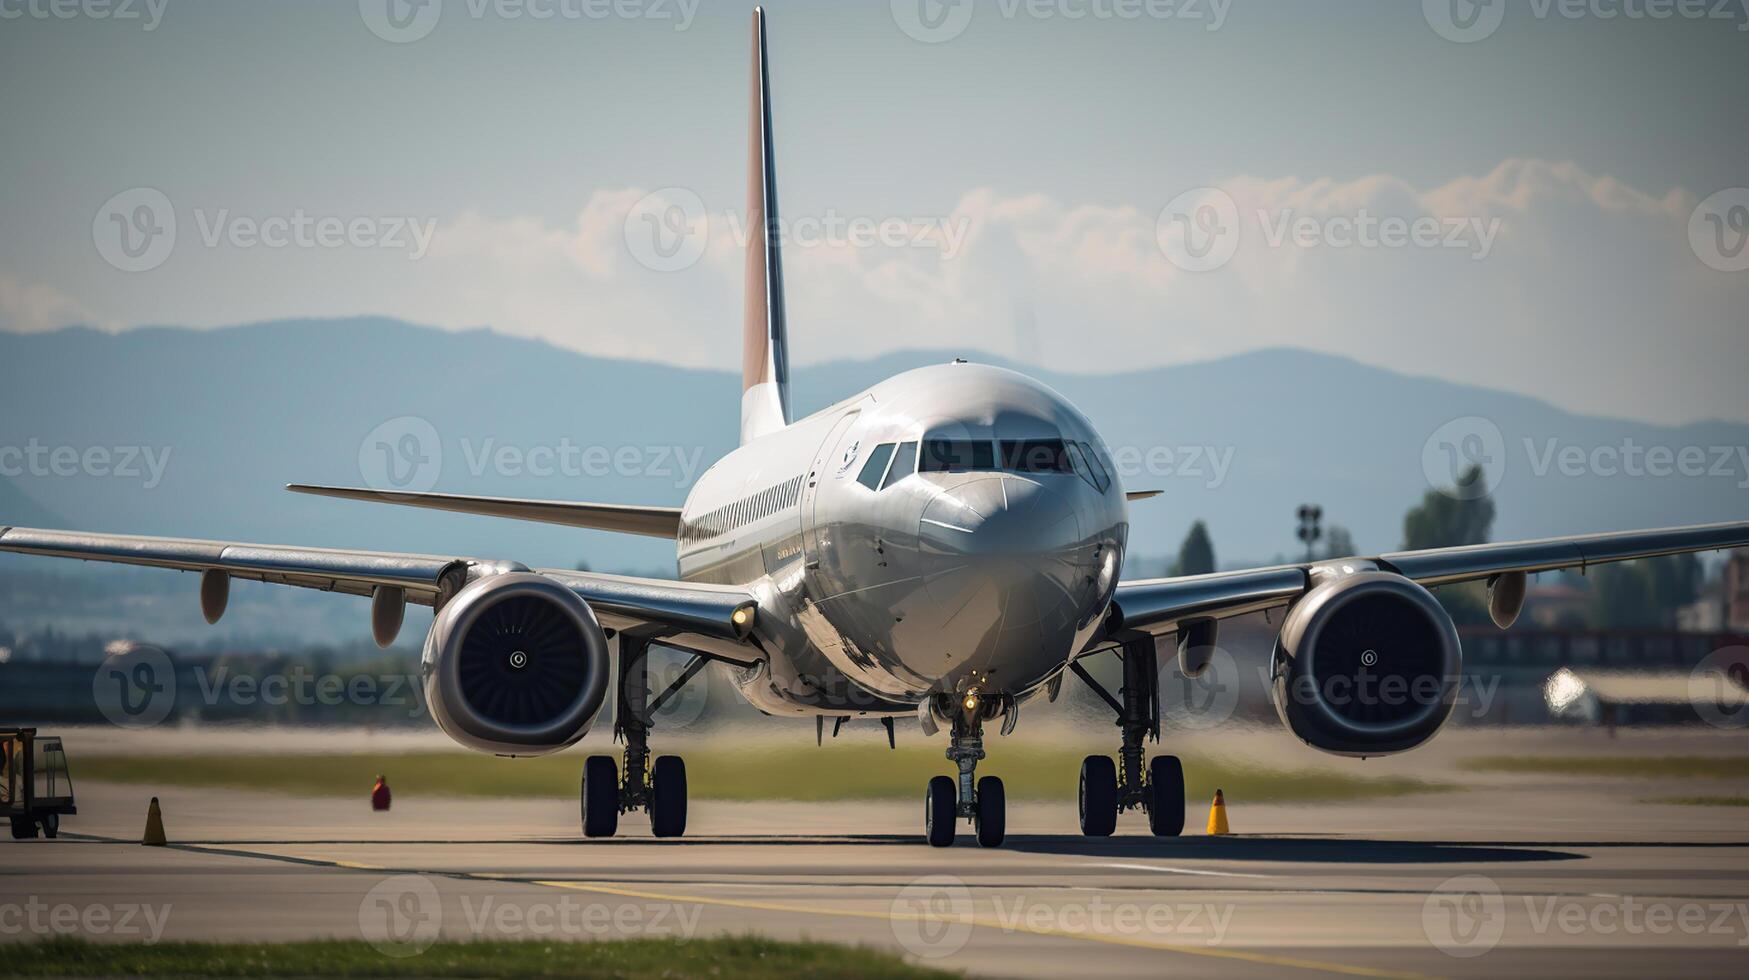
(1159, 606)
(656, 522)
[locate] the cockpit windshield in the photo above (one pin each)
(888, 463)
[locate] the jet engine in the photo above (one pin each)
(515, 664)
(1367, 663)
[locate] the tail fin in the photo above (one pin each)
(764, 338)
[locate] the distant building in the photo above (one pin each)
(1557, 605)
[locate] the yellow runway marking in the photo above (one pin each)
(1265, 959)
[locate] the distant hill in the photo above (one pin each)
(242, 411)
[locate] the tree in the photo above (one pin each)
(1644, 594)
(1196, 556)
(1449, 518)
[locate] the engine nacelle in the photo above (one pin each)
(1367, 663)
(516, 664)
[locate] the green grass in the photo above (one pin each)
(760, 772)
(1701, 800)
(727, 958)
(1683, 766)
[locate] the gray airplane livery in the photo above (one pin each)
(940, 549)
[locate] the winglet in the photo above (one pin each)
(764, 335)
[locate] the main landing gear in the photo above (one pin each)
(1108, 789)
(982, 801)
(658, 788)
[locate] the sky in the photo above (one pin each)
(1545, 197)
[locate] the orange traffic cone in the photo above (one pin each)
(379, 795)
(1218, 815)
(154, 836)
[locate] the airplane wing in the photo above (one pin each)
(1160, 606)
(686, 611)
(657, 522)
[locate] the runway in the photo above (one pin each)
(1503, 880)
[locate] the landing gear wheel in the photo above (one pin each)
(940, 806)
(992, 814)
(600, 796)
(668, 796)
(51, 825)
(1166, 796)
(23, 828)
(1098, 796)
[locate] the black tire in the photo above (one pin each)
(668, 796)
(51, 825)
(1166, 796)
(1098, 796)
(940, 806)
(992, 818)
(600, 796)
(23, 828)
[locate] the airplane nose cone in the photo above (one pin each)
(1004, 563)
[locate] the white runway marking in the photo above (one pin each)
(1178, 871)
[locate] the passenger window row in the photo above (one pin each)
(742, 512)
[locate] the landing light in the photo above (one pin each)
(742, 615)
(971, 702)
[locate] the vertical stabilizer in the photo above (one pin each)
(764, 344)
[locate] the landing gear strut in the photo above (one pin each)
(982, 801)
(1107, 789)
(659, 788)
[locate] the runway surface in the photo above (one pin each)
(1499, 881)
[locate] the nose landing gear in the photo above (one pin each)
(1107, 789)
(982, 801)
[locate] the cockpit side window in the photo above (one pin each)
(1101, 479)
(1035, 456)
(904, 464)
(957, 455)
(876, 467)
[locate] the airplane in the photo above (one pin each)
(943, 546)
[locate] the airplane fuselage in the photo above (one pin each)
(952, 527)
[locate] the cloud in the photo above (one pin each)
(34, 307)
